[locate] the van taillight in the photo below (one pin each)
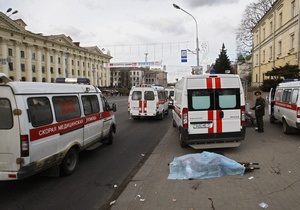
(24, 146)
(185, 118)
(243, 117)
(298, 112)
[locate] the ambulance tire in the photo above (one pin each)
(174, 124)
(161, 116)
(70, 162)
(182, 143)
(167, 112)
(286, 129)
(110, 137)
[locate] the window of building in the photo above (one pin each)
(51, 59)
(10, 52)
(51, 70)
(292, 41)
(264, 33)
(58, 60)
(264, 56)
(72, 61)
(33, 56)
(256, 59)
(280, 19)
(279, 48)
(78, 63)
(43, 57)
(33, 68)
(271, 27)
(43, 69)
(22, 67)
(59, 71)
(293, 9)
(22, 54)
(271, 53)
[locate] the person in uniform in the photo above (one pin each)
(259, 109)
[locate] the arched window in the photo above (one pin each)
(23, 79)
(52, 80)
(44, 79)
(33, 79)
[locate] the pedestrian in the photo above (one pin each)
(259, 108)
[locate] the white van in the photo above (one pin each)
(209, 111)
(45, 125)
(284, 106)
(147, 101)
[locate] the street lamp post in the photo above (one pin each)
(197, 40)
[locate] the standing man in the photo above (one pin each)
(259, 108)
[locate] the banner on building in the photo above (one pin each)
(134, 64)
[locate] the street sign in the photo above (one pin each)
(183, 56)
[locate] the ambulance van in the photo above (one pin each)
(148, 101)
(209, 111)
(284, 106)
(46, 125)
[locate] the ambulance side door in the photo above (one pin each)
(93, 127)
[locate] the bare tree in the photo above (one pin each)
(252, 15)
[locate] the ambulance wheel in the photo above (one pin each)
(286, 129)
(161, 116)
(110, 137)
(174, 124)
(182, 143)
(70, 162)
(167, 112)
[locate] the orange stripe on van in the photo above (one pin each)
(209, 83)
(218, 83)
(210, 117)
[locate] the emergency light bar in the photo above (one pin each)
(73, 80)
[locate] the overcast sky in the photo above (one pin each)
(131, 28)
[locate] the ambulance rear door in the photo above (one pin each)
(214, 106)
(9, 131)
(151, 101)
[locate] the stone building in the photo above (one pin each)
(132, 76)
(276, 39)
(28, 56)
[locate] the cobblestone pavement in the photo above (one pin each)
(276, 183)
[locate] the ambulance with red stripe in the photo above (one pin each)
(46, 125)
(209, 111)
(148, 101)
(284, 106)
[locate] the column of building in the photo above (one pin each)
(29, 62)
(17, 67)
(75, 66)
(48, 65)
(39, 64)
(4, 55)
(56, 73)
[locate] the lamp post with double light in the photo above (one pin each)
(197, 39)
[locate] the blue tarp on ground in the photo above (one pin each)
(203, 165)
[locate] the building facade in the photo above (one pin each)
(27, 56)
(276, 39)
(133, 76)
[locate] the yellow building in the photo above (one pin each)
(276, 39)
(27, 56)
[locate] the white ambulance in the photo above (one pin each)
(148, 101)
(46, 125)
(209, 111)
(284, 106)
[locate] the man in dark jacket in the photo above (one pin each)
(259, 108)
